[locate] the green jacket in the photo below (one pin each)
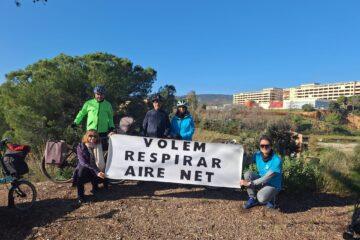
(99, 115)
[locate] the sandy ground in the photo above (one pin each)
(168, 211)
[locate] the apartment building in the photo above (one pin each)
(322, 91)
(265, 95)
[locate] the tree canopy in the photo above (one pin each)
(41, 100)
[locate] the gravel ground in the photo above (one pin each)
(148, 210)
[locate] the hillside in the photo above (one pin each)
(214, 99)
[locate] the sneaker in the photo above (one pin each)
(250, 203)
(270, 205)
(80, 201)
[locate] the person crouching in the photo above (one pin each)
(91, 164)
(263, 186)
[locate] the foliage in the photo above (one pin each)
(167, 92)
(333, 118)
(3, 125)
(280, 132)
(299, 175)
(308, 108)
(301, 124)
(41, 100)
(192, 100)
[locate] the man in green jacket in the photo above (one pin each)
(99, 114)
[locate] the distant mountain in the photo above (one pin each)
(214, 99)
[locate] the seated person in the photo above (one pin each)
(263, 186)
(91, 164)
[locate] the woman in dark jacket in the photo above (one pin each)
(87, 169)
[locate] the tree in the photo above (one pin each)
(308, 108)
(3, 126)
(342, 101)
(280, 132)
(192, 101)
(339, 108)
(354, 101)
(41, 100)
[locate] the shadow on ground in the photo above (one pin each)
(301, 203)
(19, 225)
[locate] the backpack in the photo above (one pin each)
(14, 160)
(55, 152)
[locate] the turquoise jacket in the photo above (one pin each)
(183, 127)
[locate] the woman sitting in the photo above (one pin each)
(91, 164)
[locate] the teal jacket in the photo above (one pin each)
(183, 127)
(100, 116)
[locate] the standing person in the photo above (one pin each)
(91, 164)
(156, 122)
(99, 114)
(263, 186)
(182, 124)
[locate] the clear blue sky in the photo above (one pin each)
(202, 45)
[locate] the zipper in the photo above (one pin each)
(98, 118)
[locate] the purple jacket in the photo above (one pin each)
(83, 155)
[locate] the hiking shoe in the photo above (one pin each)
(270, 205)
(250, 203)
(80, 201)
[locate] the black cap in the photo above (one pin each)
(156, 98)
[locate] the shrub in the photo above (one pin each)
(300, 176)
(280, 132)
(308, 108)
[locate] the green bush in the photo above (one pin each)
(299, 175)
(280, 132)
(308, 108)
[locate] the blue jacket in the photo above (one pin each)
(183, 127)
(156, 124)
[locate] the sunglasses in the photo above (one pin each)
(267, 146)
(92, 136)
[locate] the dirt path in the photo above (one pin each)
(169, 211)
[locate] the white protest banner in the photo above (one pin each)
(176, 161)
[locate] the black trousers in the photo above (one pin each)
(104, 141)
(85, 175)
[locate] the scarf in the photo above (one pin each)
(265, 159)
(97, 155)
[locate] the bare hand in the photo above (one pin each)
(245, 183)
(101, 175)
(111, 133)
